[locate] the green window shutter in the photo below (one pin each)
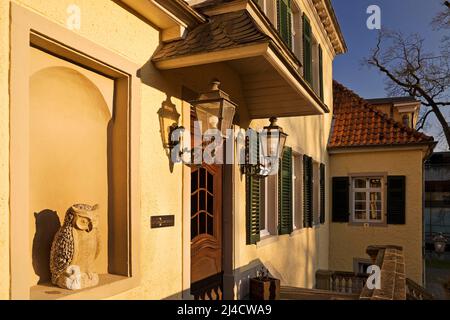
(307, 192)
(285, 193)
(321, 73)
(307, 50)
(396, 196)
(322, 193)
(284, 15)
(253, 195)
(340, 199)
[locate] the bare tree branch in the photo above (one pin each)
(411, 70)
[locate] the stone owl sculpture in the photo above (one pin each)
(75, 247)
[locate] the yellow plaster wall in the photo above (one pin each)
(294, 258)
(109, 25)
(348, 242)
(4, 150)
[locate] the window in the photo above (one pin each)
(322, 193)
(297, 193)
(316, 194)
(312, 59)
(269, 206)
(321, 89)
(406, 120)
(307, 192)
(285, 193)
(367, 196)
(360, 265)
(307, 51)
(285, 19)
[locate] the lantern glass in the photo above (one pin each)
(207, 115)
(228, 111)
(215, 110)
(273, 140)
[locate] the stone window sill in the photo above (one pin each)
(267, 240)
(110, 285)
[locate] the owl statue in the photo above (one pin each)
(74, 249)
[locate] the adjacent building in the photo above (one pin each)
(437, 197)
(377, 172)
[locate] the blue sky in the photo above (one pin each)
(408, 16)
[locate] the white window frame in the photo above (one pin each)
(297, 193)
(368, 190)
(316, 193)
(270, 214)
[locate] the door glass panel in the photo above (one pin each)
(202, 178)
(202, 222)
(210, 225)
(194, 181)
(210, 183)
(210, 204)
(194, 227)
(202, 203)
(194, 204)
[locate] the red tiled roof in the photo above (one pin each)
(357, 124)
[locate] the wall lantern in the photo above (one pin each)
(214, 110)
(440, 243)
(273, 140)
(263, 153)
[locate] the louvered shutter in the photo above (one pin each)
(253, 194)
(285, 21)
(321, 90)
(307, 192)
(285, 193)
(340, 199)
(307, 50)
(396, 193)
(322, 193)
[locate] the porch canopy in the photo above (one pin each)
(240, 35)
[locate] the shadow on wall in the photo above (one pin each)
(241, 282)
(47, 224)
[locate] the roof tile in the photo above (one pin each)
(357, 124)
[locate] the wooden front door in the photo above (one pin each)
(206, 231)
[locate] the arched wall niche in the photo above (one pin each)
(57, 104)
(69, 123)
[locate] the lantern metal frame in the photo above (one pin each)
(214, 96)
(262, 168)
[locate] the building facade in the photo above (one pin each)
(377, 180)
(437, 193)
(91, 93)
(83, 120)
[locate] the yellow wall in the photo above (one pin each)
(348, 242)
(294, 258)
(4, 150)
(68, 152)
